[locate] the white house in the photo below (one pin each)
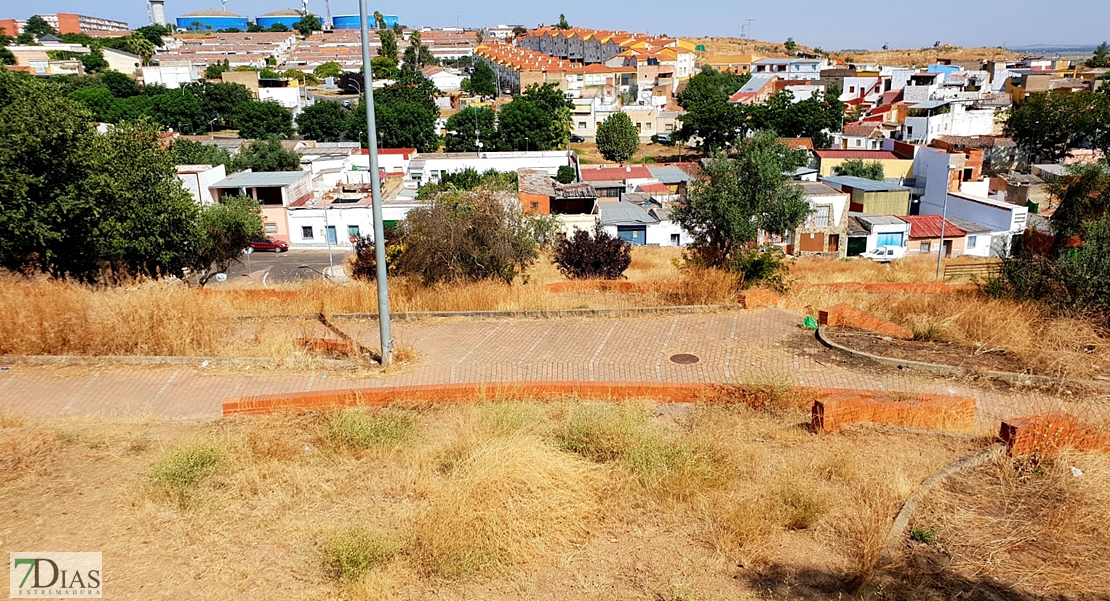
(637, 225)
(340, 219)
(124, 62)
(444, 79)
(198, 179)
(927, 120)
(427, 168)
(868, 232)
(172, 74)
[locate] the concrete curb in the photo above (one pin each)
(156, 361)
(902, 520)
(1006, 376)
(531, 313)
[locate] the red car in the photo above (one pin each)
(275, 245)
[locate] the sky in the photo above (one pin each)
(848, 24)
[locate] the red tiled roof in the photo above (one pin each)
(867, 155)
(928, 226)
(654, 188)
(614, 174)
(798, 143)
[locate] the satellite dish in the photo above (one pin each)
(221, 277)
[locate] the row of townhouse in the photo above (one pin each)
(593, 46)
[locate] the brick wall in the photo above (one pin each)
(848, 317)
(1048, 433)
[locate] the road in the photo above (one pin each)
(278, 268)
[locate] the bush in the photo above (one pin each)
(354, 429)
(762, 267)
(566, 175)
(364, 261)
(183, 471)
(601, 256)
(467, 236)
(350, 552)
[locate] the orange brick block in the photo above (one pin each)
(753, 299)
(1046, 434)
(845, 408)
(328, 346)
(849, 317)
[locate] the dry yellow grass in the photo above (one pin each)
(481, 500)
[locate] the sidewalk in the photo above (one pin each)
(765, 346)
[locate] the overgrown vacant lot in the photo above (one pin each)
(513, 500)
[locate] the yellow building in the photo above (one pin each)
(893, 165)
(731, 63)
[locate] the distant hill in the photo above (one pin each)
(909, 57)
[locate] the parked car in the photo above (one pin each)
(275, 245)
(664, 139)
(885, 254)
(577, 138)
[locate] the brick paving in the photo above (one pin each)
(755, 346)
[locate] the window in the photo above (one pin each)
(859, 142)
(306, 232)
(271, 228)
(581, 125)
(821, 216)
(352, 231)
(971, 240)
(926, 248)
(535, 206)
(851, 89)
(676, 240)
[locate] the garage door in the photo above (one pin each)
(811, 243)
(894, 239)
(633, 234)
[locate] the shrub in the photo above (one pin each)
(467, 236)
(601, 256)
(364, 261)
(566, 175)
(356, 429)
(181, 473)
(348, 553)
(762, 267)
(923, 535)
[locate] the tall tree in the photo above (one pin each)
(267, 155)
(1047, 125)
(524, 125)
(388, 47)
(120, 85)
(307, 25)
(184, 113)
(1083, 197)
(256, 120)
(328, 69)
(189, 152)
(38, 27)
(483, 81)
(154, 33)
(383, 68)
(324, 121)
(406, 114)
(709, 118)
(550, 99)
(99, 101)
(563, 23)
(379, 20)
(617, 138)
(738, 197)
(469, 126)
(1101, 58)
(417, 55)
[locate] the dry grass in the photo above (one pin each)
(466, 501)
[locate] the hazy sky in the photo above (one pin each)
(830, 25)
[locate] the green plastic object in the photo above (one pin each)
(810, 323)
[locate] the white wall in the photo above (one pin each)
(873, 238)
(171, 76)
(500, 161)
(981, 246)
(340, 218)
(660, 234)
(121, 61)
(289, 98)
(197, 183)
(390, 163)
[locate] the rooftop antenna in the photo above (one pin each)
(304, 8)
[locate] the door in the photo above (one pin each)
(331, 235)
(632, 234)
(857, 246)
(947, 249)
(811, 243)
(834, 243)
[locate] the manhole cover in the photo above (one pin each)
(684, 359)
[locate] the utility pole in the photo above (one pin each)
(943, 221)
(376, 192)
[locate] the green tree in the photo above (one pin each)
(563, 23)
(307, 25)
(417, 55)
(470, 125)
(38, 27)
(1082, 196)
(1047, 125)
(154, 33)
(184, 113)
(266, 155)
(215, 71)
(189, 152)
(99, 101)
(709, 118)
(858, 168)
(738, 197)
(383, 68)
(307, 79)
(93, 62)
(556, 108)
(406, 114)
(379, 20)
(220, 99)
(225, 229)
(262, 119)
(1101, 58)
(6, 56)
(790, 44)
(523, 125)
(566, 175)
(328, 69)
(388, 49)
(140, 46)
(810, 118)
(278, 28)
(252, 27)
(483, 81)
(617, 138)
(324, 121)
(120, 85)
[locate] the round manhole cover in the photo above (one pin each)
(684, 359)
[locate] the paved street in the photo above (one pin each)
(276, 268)
(764, 346)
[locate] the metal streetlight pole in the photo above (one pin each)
(327, 239)
(376, 192)
(943, 220)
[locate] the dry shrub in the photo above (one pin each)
(26, 451)
(801, 500)
(348, 553)
(739, 525)
(180, 475)
(359, 429)
(863, 530)
(508, 500)
(824, 271)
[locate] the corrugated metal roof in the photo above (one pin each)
(929, 104)
(870, 221)
(668, 174)
(819, 189)
(260, 179)
(623, 213)
(969, 226)
(862, 183)
(928, 226)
